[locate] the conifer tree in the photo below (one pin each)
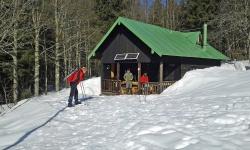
(108, 11)
(198, 12)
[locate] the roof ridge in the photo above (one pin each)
(157, 26)
(191, 37)
(146, 23)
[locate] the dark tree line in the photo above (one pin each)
(41, 41)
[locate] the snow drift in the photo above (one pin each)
(227, 80)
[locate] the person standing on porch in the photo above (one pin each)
(73, 79)
(128, 77)
(144, 79)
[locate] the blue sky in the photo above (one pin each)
(163, 1)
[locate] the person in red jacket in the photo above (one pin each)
(73, 79)
(144, 79)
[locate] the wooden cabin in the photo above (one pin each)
(163, 54)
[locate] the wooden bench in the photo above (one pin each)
(134, 87)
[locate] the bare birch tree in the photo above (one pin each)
(37, 11)
(234, 28)
(57, 32)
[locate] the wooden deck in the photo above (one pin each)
(118, 87)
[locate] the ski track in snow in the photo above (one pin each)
(219, 120)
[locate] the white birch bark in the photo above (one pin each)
(57, 63)
(14, 56)
(36, 18)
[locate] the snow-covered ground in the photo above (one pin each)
(207, 109)
(5, 107)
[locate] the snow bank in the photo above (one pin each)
(91, 86)
(239, 66)
(220, 81)
(4, 108)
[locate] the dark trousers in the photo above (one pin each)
(145, 89)
(73, 92)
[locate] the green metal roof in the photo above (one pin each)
(165, 42)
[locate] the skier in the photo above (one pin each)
(144, 79)
(128, 77)
(73, 79)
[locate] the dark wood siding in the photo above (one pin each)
(176, 67)
(123, 41)
(188, 64)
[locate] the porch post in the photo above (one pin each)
(118, 77)
(112, 72)
(161, 75)
(138, 78)
(118, 71)
(102, 77)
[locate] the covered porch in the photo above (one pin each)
(160, 76)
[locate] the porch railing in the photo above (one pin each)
(154, 88)
(166, 84)
(115, 86)
(158, 87)
(111, 86)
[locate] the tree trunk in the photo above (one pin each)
(37, 66)
(249, 47)
(36, 18)
(14, 56)
(86, 54)
(85, 48)
(247, 26)
(46, 73)
(78, 41)
(46, 67)
(64, 55)
(57, 63)
(78, 57)
(146, 10)
(70, 59)
(87, 43)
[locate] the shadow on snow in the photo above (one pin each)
(33, 130)
(83, 99)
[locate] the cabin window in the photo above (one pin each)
(120, 57)
(126, 56)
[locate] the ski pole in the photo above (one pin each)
(83, 92)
